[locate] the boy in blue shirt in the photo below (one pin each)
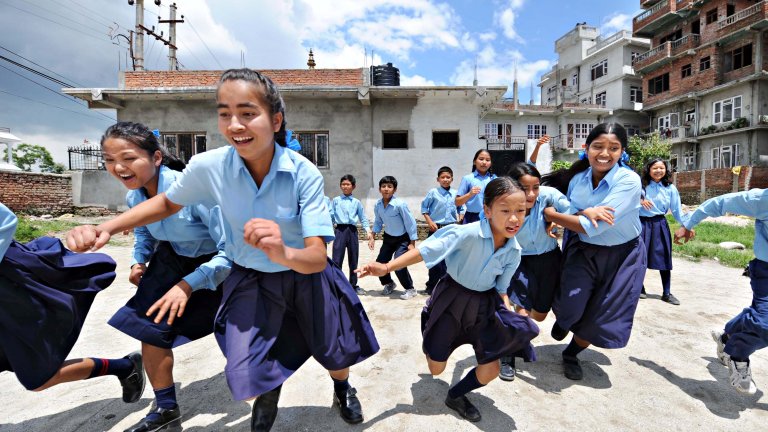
(346, 212)
(439, 210)
(399, 235)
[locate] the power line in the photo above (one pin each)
(204, 44)
(52, 12)
(39, 65)
(54, 106)
(56, 22)
(96, 13)
(36, 72)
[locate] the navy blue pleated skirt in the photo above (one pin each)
(658, 242)
(470, 217)
(269, 324)
(748, 331)
(45, 294)
(536, 281)
(455, 315)
(599, 290)
(166, 269)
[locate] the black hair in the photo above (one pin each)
(445, 169)
(348, 177)
(559, 179)
(499, 187)
(269, 90)
(519, 169)
(477, 153)
(666, 180)
(145, 139)
(388, 180)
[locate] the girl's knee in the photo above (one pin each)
(435, 367)
(487, 372)
(538, 316)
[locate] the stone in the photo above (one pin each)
(732, 245)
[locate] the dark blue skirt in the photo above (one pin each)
(455, 315)
(269, 324)
(748, 331)
(166, 268)
(658, 242)
(470, 217)
(599, 290)
(45, 294)
(536, 281)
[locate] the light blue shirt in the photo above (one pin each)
(532, 237)
(440, 205)
(469, 255)
(194, 231)
(664, 199)
(395, 217)
(8, 223)
(619, 189)
(291, 195)
(753, 203)
(475, 204)
(348, 210)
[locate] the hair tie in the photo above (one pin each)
(291, 142)
(582, 154)
(156, 132)
(624, 158)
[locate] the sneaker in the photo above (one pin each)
(741, 377)
(388, 288)
(409, 294)
(717, 336)
(669, 298)
(507, 372)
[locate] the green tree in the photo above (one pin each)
(29, 156)
(644, 148)
(559, 164)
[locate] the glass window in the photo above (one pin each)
(704, 63)
(445, 139)
(184, 145)
(535, 131)
(314, 146)
(600, 99)
(394, 139)
(599, 69)
(685, 71)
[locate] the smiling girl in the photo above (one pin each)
(470, 192)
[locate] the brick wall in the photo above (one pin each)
(718, 182)
(36, 193)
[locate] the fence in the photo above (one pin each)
(85, 158)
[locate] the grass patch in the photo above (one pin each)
(29, 229)
(709, 235)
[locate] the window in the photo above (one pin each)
(673, 161)
(184, 145)
(314, 146)
(726, 110)
(738, 58)
(634, 55)
(600, 99)
(730, 9)
(689, 160)
(632, 129)
(685, 71)
(445, 139)
(536, 131)
(696, 27)
(672, 36)
(658, 84)
(704, 64)
(498, 132)
(671, 120)
(583, 129)
(726, 156)
(690, 117)
(394, 139)
(575, 79)
(711, 16)
(599, 69)
(635, 94)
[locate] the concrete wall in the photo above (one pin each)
(97, 188)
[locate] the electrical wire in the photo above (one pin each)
(39, 65)
(204, 44)
(56, 22)
(36, 72)
(55, 106)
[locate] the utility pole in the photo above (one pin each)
(138, 59)
(172, 64)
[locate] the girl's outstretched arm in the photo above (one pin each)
(413, 256)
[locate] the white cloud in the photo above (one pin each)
(506, 19)
(487, 37)
(416, 81)
(616, 22)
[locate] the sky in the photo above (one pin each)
(432, 42)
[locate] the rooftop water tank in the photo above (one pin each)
(385, 75)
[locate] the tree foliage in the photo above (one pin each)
(644, 148)
(30, 156)
(560, 164)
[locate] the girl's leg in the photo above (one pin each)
(345, 397)
(538, 316)
(436, 367)
(571, 363)
(85, 368)
(158, 363)
(474, 379)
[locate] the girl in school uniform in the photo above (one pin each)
(470, 192)
(46, 292)
(284, 301)
(470, 305)
(604, 259)
(661, 196)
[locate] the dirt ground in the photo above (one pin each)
(667, 378)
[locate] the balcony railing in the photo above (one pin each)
(609, 40)
(647, 14)
(685, 43)
(506, 140)
(740, 15)
(662, 51)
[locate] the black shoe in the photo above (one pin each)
(164, 419)
(349, 406)
(133, 384)
(643, 294)
(265, 410)
(464, 407)
(558, 333)
(572, 368)
(669, 298)
(507, 372)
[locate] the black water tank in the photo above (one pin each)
(386, 75)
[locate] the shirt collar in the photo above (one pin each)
(281, 161)
(347, 197)
(166, 177)
(609, 177)
(485, 232)
(477, 174)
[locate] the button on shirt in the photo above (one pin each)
(475, 204)
(619, 189)
(664, 199)
(533, 237)
(291, 195)
(440, 205)
(194, 231)
(395, 217)
(8, 223)
(348, 210)
(469, 255)
(753, 203)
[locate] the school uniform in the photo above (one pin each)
(748, 331)
(537, 278)
(346, 212)
(656, 235)
(272, 318)
(45, 294)
(603, 269)
(475, 204)
(399, 230)
(440, 205)
(466, 306)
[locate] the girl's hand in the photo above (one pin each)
(432, 226)
(371, 241)
(647, 204)
(599, 213)
(372, 269)
(475, 190)
(552, 229)
(411, 245)
(264, 234)
(86, 238)
(137, 272)
(542, 140)
(173, 302)
(683, 233)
